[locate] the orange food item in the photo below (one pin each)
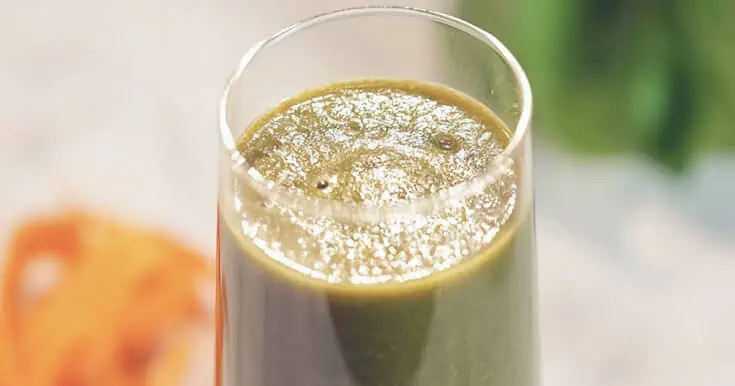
(117, 313)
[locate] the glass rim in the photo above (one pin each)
(359, 211)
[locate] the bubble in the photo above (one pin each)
(445, 142)
(322, 184)
(272, 144)
(354, 127)
(486, 137)
(253, 156)
(377, 132)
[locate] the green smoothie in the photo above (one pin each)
(442, 298)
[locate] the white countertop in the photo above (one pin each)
(636, 271)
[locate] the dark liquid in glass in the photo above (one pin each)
(443, 299)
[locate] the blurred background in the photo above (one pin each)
(109, 109)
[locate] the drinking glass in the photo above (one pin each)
(278, 322)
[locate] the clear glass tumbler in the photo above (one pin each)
(279, 323)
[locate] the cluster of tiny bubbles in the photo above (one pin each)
(376, 146)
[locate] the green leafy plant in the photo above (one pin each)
(655, 77)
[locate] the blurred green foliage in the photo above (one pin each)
(655, 77)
